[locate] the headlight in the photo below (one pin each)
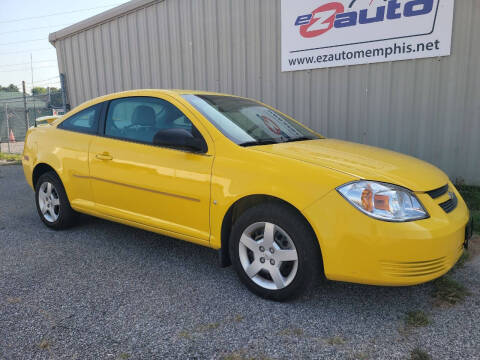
(383, 201)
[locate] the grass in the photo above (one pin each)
(10, 157)
(44, 345)
(416, 318)
(238, 318)
(471, 194)
(242, 355)
(291, 332)
(235, 356)
(360, 355)
(463, 259)
(447, 291)
(13, 300)
(189, 334)
(185, 335)
(208, 327)
(336, 340)
(419, 354)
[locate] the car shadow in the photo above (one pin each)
(193, 259)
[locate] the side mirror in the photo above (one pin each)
(179, 139)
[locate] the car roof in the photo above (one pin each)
(143, 92)
(163, 91)
(136, 92)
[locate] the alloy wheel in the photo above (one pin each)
(49, 202)
(268, 255)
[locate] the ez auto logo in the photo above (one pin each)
(333, 15)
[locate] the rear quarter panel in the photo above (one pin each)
(29, 155)
(66, 152)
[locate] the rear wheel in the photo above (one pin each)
(274, 251)
(52, 202)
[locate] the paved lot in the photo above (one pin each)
(107, 291)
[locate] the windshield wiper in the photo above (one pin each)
(258, 142)
(301, 138)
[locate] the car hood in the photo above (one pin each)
(363, 161)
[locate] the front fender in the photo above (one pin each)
(297, 183)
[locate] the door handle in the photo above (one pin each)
(104, 156)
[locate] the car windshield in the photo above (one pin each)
(247, 122)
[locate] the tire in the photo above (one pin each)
(292, 238)
(52, 202)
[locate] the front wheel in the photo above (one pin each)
(274, 251)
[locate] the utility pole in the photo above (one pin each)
(8, 128)
(25, 105)
(64, 93)
(31, 69)
(34, 106)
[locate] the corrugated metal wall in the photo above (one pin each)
(429, 108)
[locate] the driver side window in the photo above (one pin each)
(139, 119)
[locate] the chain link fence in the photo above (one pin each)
(18, 114)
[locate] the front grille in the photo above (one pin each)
(414, 269)
(449, 205)
(436, 193)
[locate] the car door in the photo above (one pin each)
(136, 180)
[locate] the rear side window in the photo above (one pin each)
(86, 121)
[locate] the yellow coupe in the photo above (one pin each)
(279, 201)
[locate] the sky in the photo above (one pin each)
(24, 29)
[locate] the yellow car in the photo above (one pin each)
(279, 201)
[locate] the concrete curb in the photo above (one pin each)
(5, 163)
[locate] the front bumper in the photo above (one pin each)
(360, 249)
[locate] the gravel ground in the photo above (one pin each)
(106, 291)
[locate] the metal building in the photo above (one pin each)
(429, 108)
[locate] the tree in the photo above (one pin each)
(56, 100)
(37, 90)
(9, 88)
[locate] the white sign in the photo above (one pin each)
(327, 33)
